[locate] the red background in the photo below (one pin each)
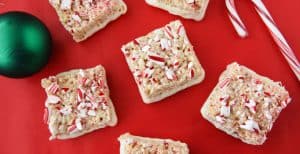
(22, 100)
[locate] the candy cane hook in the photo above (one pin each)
(235, 19)
(239, 26)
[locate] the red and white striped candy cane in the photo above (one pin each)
(235, 19)
(286, 50)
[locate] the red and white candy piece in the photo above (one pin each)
(71, 128)
(78, 124)
(156, 59)
(220, 119)
(235, 19)
(191, 70)
(224, 83)
(52, 99)
(286, 50)
(53, 88)
(168, 31)
(251, 105)
(80, 95)
(250, 125)
(170, 74)
(66, 4)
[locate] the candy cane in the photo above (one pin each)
(285, 49)
(235, 19)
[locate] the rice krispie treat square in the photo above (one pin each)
(189, 9)
(163, 62)
(244, 104)
(78, 103)
(83, 18)
(130, 144)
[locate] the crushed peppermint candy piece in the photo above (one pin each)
(137, 73)
(260, 87)
(148, 72)
(79, 95)
(251, 105)
(156, 38)
(146, 48)
(78, 124)
(52, 99)
(225, 111)
(165, 44)
(76, 17)
(82, 113)
(82, 73)
(81, 106)
(225, 82)
(71, 128)
(170, 74)
(257, 81)
(224, 100)
(180, 30)
(220, 119)
(241, 77)
(268, 115)
(90, 97)
(190, 1)
(104, 106)
(190, 65)
(168, 32)
(66, 4)
(95, 105)
(136, 42)
(66, 110)
(176, 63)
(286, 102)
(192, 73)
(91, 113)
(267, 101)
(54, 1)
(250, 125)
(157, 59)
(53, 88)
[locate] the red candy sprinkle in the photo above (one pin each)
(168, 30)
(192, 73)
(257, 81)
(267, 94)
(179, 28)
(157, 58)
(71, 128)
(83, 81)
(65, 89)
(101, 83)
(53, 88)
(79, 95)
(224, 83)
(101, 93)
(136, 42)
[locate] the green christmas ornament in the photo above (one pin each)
(25, 44)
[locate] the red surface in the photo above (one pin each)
(22, 101)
